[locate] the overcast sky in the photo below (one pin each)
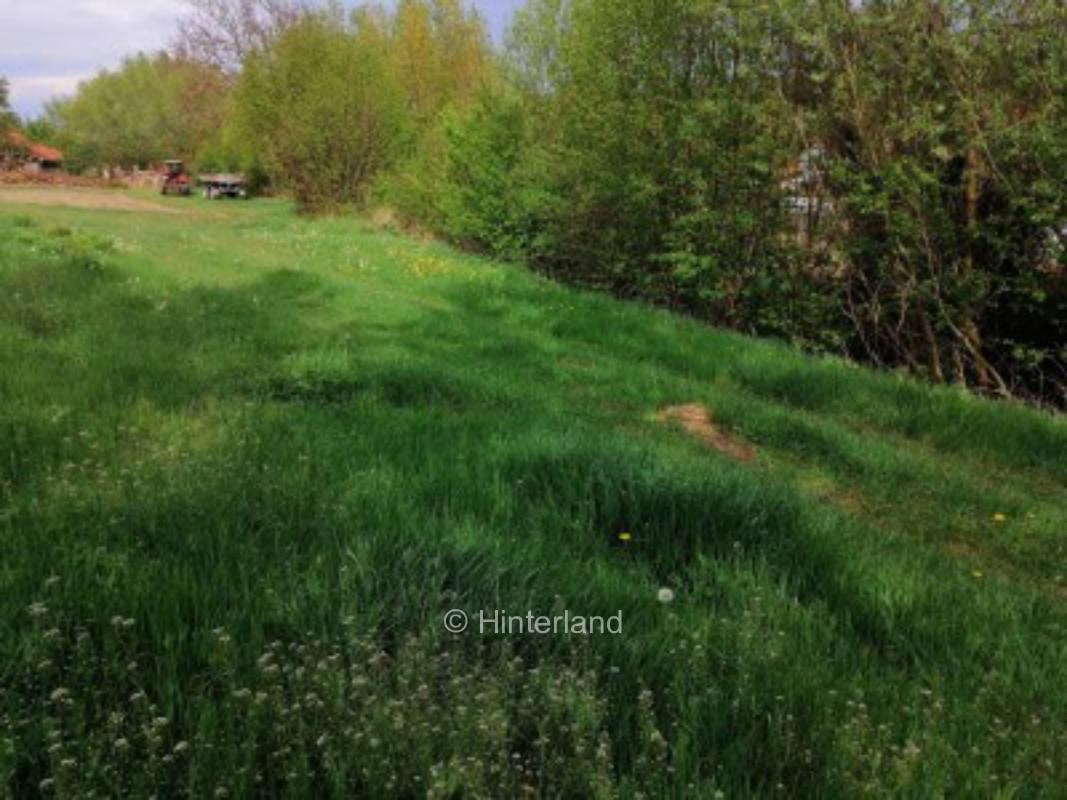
(47, 46)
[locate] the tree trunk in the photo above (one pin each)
(933, 351)
(969, 326)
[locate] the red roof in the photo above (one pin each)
(39, 151)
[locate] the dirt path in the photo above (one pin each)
(82, 198)
(696, 421)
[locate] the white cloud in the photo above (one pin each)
(30, 94)
(59, 84)
(47, 46)
(129, 11)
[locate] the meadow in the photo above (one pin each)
(249, 460)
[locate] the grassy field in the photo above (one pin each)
(248, 461)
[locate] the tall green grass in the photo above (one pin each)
(248, 461)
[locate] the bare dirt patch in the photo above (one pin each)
(65, 179)
(81, 198)
(696, 421)
(826, 488)
(960, 549)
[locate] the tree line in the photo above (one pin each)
(8, 118)
(883, 180)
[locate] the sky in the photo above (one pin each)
(48, 46)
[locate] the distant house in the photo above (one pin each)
(803, 182)
(31, 156)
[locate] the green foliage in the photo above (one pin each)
(152, 108)
(331, 103)
(40, 130)
(231, 150)
(494, 195)
(440, 54)
(939, 127)
(638, 160)
(323, 110)
(7, 116)
(8, 119)
(881, 180)
(476, 179)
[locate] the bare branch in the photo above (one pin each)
(223, 32)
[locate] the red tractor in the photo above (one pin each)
(175, 179)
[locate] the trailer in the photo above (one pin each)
(223, 184)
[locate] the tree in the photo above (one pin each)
(441, 55)
(8, 118)
(942, 127)
(671, 136)
(663, 129)
(323, 108)
(334, 99)
(40, 130)
(151, 108)
(224, 32)
(8, 121)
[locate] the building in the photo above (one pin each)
(803, 183)
(31, 156)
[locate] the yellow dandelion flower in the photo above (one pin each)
(625, 537)
(998, 517)
(977, 573)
